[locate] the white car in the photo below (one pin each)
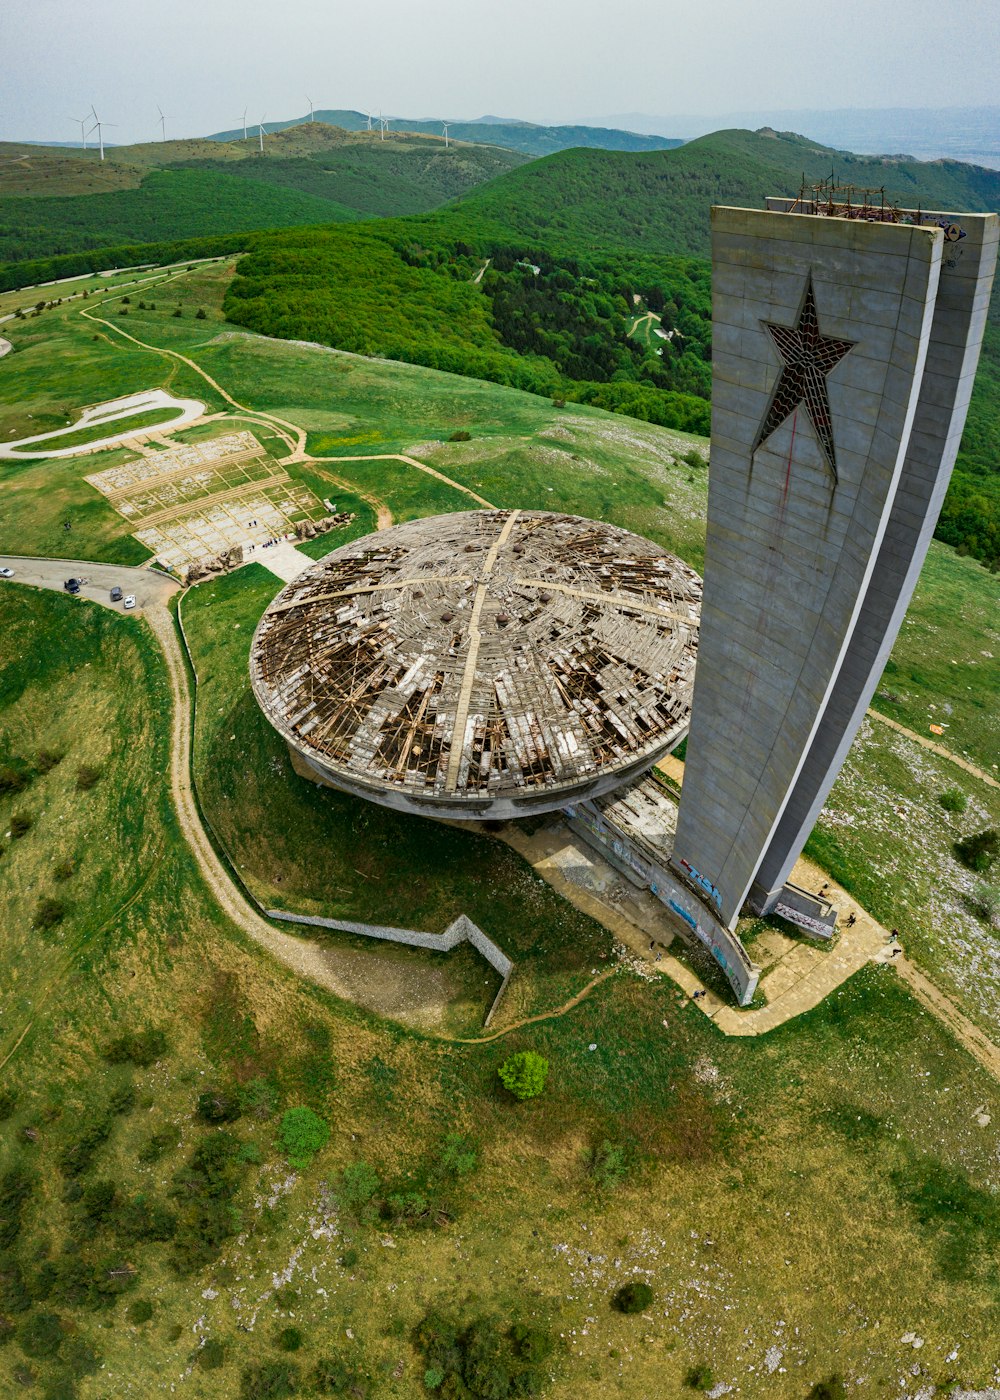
(6, 573)
(129, 600)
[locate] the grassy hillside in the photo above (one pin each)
(525, 137)
(659, 202)
(377, 177)
(186, 202)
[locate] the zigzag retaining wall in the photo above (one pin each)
(462, 930)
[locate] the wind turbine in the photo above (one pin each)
(83, 128)
(383, 124)
(312, 113)
(446, 125)
(369, 121)
(260, 129)
(245, 110)
(163, 123)
(99, 128)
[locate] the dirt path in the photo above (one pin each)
(412, 462)
(552, 1015)
(940, 1005)
(939, 749)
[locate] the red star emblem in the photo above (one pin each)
(806, 359)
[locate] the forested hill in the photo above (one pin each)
(525, 137)
(658, 202)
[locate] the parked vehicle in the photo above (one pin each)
(6, 573)
(116, 594)
(72, 585)
(129, 600)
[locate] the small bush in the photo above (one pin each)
(286, 1297)
(8, 1104)
(830, 1389)
(356, 1192)
(272, 1381)
(141, 1048)
(985, 903)
(524, 1074)
(211, 1356)
(162, 1141)
(48, 913)
(217, 1106)
(632, 1297)
(461, 436)
(333, 1376)
(20, 824)
(13, 777)
(610, 1165)
(348, 1259)
(699, 1378)
(953, 800)
(433, 1377)
(178, 312)
(201, 314)
(87, 777)
(289, 1339)
(302, 1134)
(40, 1334)
(977, 852)
(127, 299)
(65, 870)
(139, 1312)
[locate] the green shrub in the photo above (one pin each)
(356, 1192)
(200, 314)
(433, 1377)
(302, 1134)
(524, 1074)
(141, 1048)
(633, 1297)
(333, 1376)
(178, 312)
(286, 1297)
(139, 1312)
(65, 870)
(8, 1104)
(77, 1155)
(87, 777)
(272, 1381)
(218, 1106)
(699, 1378)
(210, 1356)
(16, 1187)
(985, 902)
(7, 1330)
(461, 436)
(348, 1259)
(484, 1359)
(953, 800)
(48, 913)
(20, 824)
(610, 1165)
(289, 1339)
(14, 777)
(830, 1389)
(977, 852)
(40, 1334)
(121, 1100)
(162, 1141)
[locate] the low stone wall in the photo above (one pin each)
(462, 930)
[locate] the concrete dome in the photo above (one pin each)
(561, 651)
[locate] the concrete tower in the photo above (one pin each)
(844, 351)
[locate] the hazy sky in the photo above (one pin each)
(203, 61)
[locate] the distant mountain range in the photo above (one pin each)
(952, 133)
(525, 137)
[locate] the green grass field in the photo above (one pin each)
(818, 1192)
(743, 1158)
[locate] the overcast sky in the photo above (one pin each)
(203, 61)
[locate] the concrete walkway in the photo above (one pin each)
(283, 559)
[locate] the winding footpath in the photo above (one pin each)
(306, 958)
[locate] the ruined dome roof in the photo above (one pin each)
(560, 650)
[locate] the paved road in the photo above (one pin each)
(150, 589)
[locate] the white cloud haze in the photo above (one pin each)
(544, 60)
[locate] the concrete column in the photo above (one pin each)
(820, 333)
(964, 289)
